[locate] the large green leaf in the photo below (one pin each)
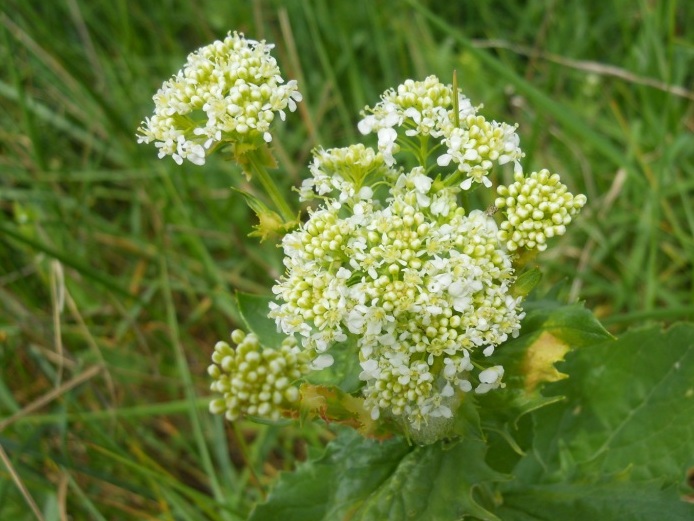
(624, 438)
(573, 324)
(602, 502)
(365, 480)
(630, 407)
(548, 333)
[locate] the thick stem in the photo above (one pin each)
(271, 189)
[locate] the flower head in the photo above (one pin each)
(390, 265)
(423, 289)
(229, 91)
(536, 208)
(254, 380)
(477, 145)
(345, 174)
(419, 109)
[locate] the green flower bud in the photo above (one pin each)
(256, 380)
(536, 207)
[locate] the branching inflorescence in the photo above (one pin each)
(390, 263)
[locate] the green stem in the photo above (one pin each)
(271, 189)
(423, 150)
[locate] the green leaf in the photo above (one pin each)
(630, 408)
(604, 502)
(344, 372)
(269, 223)
(548, 333)
(622, 441)
(526, 282)
(573, 324)
(254, 310)
(364, 480)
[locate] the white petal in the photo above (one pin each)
(322, 361)
(444, 160)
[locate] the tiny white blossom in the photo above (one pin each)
(490, 379)
(322, 361)
(387, 145)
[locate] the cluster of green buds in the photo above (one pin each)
(255, 380)
(537, 207)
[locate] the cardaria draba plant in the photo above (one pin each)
(389, 267)
(401, 317)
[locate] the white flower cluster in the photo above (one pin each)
(228, 91)
(536, 208)
(426, 108)
(254, 380)
(344, 174)
(477, 145)
(423, 287)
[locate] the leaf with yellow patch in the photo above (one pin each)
(547, 335)
(549, 332)
(538, 363)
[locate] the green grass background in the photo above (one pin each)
(118, 270)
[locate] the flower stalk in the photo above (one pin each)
(259, 170)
